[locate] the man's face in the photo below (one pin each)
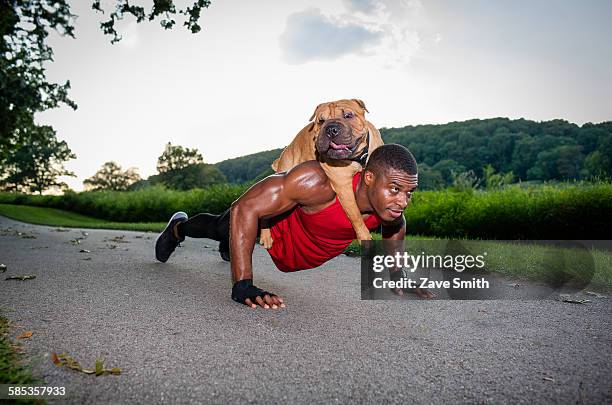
(390, 192)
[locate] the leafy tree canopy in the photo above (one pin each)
(24, 88)
(176, 157)
(112, 177)
(36, 161)
(512, 150)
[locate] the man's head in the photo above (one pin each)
(390, 177)
(341, 128)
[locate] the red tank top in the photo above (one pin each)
(304, 241)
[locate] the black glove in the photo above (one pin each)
(244, 289)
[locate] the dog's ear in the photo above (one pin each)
(314, 113)
(361, 104)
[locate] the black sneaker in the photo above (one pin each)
(166, 241)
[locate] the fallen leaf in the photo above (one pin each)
(548, 379)
(595, 294)
(25, 335)
(84, 251)
(567, 298)
(84, 233)
(67, 361)
(117, 239)
(55, 359)
(61, 230)
(22, 278)
(99, 367)
(2, 268)
(112, 246)
(87, 258)
(29, 237)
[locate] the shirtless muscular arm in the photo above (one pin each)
(305, 184)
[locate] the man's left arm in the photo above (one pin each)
(394, 236)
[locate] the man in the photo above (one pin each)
(308, 224)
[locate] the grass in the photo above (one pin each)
(57, 217)
(11, 371)
(572, 265)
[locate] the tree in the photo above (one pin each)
(562, 162)
(193, 176)
(496, 180)
(112, 177)
(465, 180)
(177, 158)
(597, 164)
(164, 8)
(24, 27)
(36, 160)
(447, 167)
(429, 179)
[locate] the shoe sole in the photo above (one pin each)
(174, 216)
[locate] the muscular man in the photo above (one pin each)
(308, 224)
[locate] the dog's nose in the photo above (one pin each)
(333, 130)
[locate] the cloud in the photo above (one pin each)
(310, 36)
(384, 31)
(364, 6)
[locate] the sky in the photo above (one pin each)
(250, 80)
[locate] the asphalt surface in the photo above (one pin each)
(178, 338)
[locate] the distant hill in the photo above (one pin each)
(548, 150)
(250, 167)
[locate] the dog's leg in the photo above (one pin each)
(354, 215)
(341, 178)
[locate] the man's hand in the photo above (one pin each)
(420, 292)
(246, 293)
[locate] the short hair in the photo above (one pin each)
(392, 156)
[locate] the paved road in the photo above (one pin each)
(178, 337)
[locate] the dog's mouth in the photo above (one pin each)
(339, 150)
(337, 141)
(334, 146)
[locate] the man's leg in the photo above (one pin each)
(209, 226)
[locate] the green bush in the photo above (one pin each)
(146, 205)
(562, 211)
(559, 211)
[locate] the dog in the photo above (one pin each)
(341, 139)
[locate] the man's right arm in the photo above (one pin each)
(305, 184)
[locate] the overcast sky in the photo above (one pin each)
(252, 77)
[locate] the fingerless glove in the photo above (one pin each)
(244, 289)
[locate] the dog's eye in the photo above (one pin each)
(348, 115)
(321, 120)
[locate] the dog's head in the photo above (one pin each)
(341, 128)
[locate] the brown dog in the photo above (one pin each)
(339, 137)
